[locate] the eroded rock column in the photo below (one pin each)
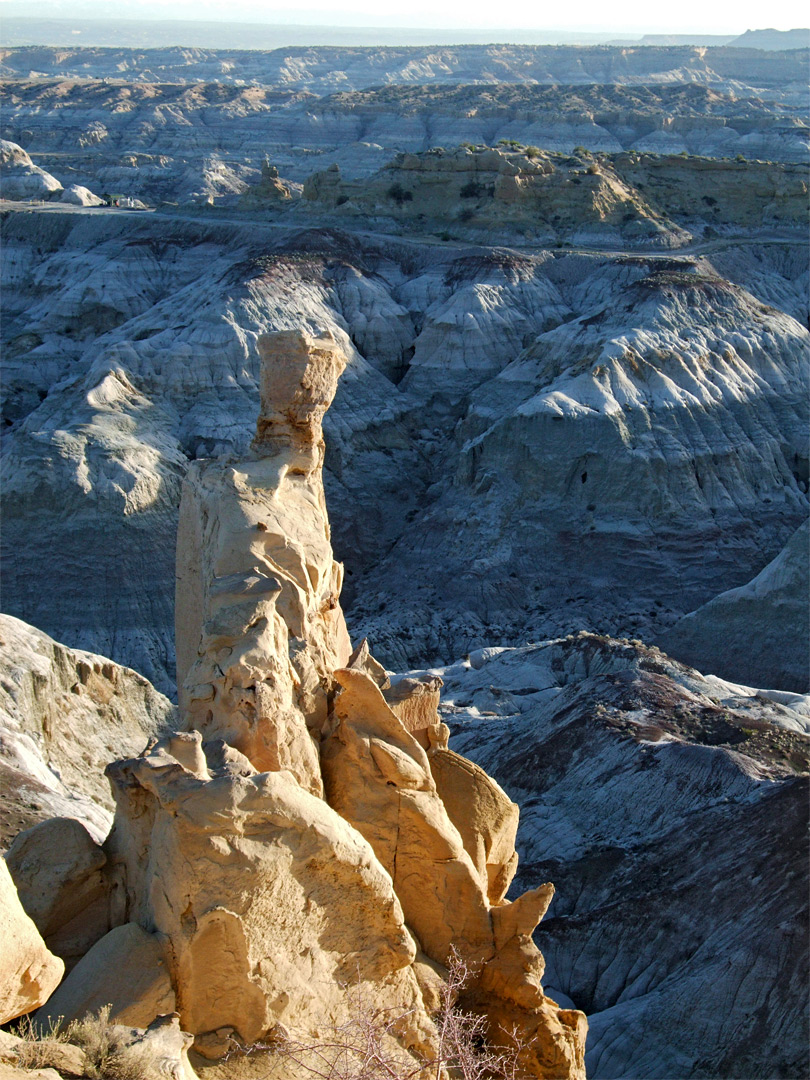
(259, 624)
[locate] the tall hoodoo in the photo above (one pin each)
(259, 627)
(310, 826)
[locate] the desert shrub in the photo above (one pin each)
(398, 193)
(365, 1046)
(105, 1057)
(30, 1052)
(533, 151)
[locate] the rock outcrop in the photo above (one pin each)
(259, 624)
(20, 178)
(269, 192)
(64, 714)
(537, 194)
(29, 973)
(269, 903)
(379, 778)
(253, 887)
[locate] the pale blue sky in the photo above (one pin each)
(641, 16)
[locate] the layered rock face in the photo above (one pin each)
(602, 462)
(491, 189)
(246, 898)
(194, 126)
(515, 193)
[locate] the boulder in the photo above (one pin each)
(127, 970)
(58, 870)
(29, 973)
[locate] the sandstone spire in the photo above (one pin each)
(259, 625)
(309, 828)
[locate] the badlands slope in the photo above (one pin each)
(523, 444)
(670, 810)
